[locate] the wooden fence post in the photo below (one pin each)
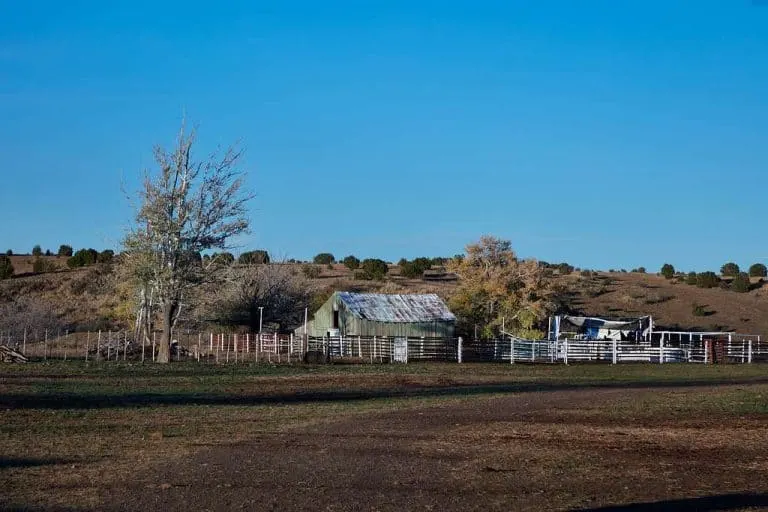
(749, 352)
(511, 350)
(615, 352)
(565, 351)
(459, 350)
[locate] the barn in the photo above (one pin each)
(378, 314)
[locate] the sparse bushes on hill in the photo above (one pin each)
(105, 256)
(691, 278)
(65, 250)
(741, 283)
(324, 258)
(699, 310)
(39, 266)
(37, 251)
(9, 252)
(83, 258)
(6, 267)
(351, 262)
(668, 271)
(310, 271)
(730, 270)
(758, 270)
(639, 270)
(374, 269)
(707, 280)
(258, 257)
(414, 269)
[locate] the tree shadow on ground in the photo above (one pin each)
(701, 504)
(28, 462)
(30, 508)
(71, 400)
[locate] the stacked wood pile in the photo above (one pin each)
(8, 355)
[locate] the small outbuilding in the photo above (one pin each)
(378, 314)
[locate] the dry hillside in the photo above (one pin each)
(88, 297)
(670, 302)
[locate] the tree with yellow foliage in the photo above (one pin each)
(496, 287)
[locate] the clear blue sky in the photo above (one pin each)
(606, 134)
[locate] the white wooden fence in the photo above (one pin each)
(275, 348)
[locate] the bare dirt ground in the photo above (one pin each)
(626, 449)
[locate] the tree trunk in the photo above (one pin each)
(164, 349)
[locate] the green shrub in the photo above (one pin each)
(758, 270)
(415, 269)
(324, 258)
(83, 258)
(6, 267)
(351, 262)
(107, 255)
(374, 269)
(707, 280)
(741, 283)
(37, 251)
(257, 257)
(668, 271)
(65, 250)
(692, 278)
(730, 269)
(699, 310)
(39, 266)
(9, 252)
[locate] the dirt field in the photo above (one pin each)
(430, 437)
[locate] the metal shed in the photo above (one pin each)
(377, 314)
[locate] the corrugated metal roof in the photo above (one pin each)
(405, 308)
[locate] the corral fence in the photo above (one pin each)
(274, 348)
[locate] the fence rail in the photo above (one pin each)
(276, 348)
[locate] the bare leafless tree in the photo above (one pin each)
(185, 207)
(280, 289)
(25, 315)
